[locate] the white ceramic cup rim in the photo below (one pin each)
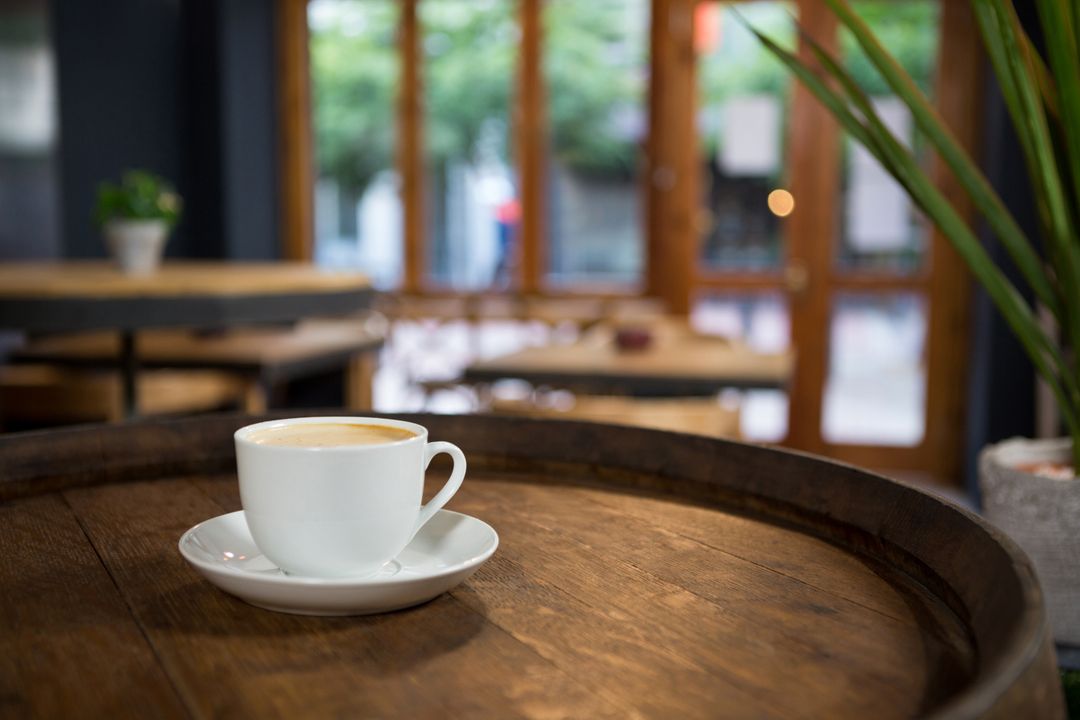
(243, 434)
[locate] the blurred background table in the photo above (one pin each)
(264, 357)
(78, 296)
(678, 362)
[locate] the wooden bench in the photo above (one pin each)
(259, 357)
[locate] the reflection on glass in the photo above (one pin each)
(880, 228)
(469, 54)
(354, 78)
(28, 184)
(742, 122)
(596, 68)
(875, 393)
(762, 321)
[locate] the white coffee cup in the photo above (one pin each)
(343, 510)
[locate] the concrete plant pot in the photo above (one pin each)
(137, 245)
(1042, 515)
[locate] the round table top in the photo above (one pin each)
(639, 574)
(693, 367)
(85, 295)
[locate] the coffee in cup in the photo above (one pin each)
(337, 496)
(327, 434)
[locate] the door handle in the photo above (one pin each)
(796, 278)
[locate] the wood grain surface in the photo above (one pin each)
(98, 279)
(639, 574)
(70, 646)
(75, 296)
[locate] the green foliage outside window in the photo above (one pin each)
(739, 66)
(470, 54)
(595, 65)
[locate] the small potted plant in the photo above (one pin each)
(136, 217)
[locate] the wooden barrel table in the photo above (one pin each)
(640, 574)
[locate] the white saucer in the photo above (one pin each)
(448, 549)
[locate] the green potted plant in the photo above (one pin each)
(136, 217)
(1029, 487)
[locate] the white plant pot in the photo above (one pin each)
(1043, 516)
(137, 245)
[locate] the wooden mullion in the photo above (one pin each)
(814, 161)
(530, 138)
(882, 282)
(577, 292)
(296, 163)
(673, 164)
(740, 281)
(410, 146)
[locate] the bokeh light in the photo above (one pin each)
(781, 202)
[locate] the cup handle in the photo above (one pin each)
(457, 475)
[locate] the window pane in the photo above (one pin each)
(29, 207)
(354, 77)
(469, 56)
(596, 66)
(876, 390)
(743, 96)
(762, 321)
(880, 228)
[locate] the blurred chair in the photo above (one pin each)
(40, 395)
(189, 371)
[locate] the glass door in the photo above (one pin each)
(806, 243)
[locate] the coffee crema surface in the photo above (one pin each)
(322, 435)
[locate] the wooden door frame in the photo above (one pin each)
(814, 178)
(671, 163)
(296, 163)
(530, 141)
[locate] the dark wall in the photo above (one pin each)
(203, 201)
(119, 69)
(248, 118)
(29, 199)
(28, 207)
(184, 89)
